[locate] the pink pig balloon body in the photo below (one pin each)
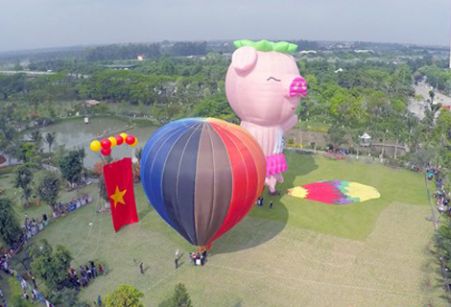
(264, 89)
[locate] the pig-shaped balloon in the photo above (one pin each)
(264, 87)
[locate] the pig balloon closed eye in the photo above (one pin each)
(264, 88)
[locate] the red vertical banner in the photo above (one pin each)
(119, 186)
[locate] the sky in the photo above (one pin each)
(31, 24)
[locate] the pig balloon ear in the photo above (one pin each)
(244, 59)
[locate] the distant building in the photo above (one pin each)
(120, 66)
(365, 140)
(363, 51)
(91, 103)
(308, 52)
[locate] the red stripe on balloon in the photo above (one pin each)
(244, 177)
(323, 192)
(258, 157)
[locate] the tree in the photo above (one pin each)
(18, 301)
(442, 128)
(432, 95)
(9, 227)
(215, 106)
(102, 188)
(48, 188)
(66, 298)
(50, 138)
(337, 136)
(124, 296)
(51, 266)
(180, 298)
(24, 177)
(36, 138)
(27, 152)
(443, 244)
(12, 84)
(71, 166)
(422, 156)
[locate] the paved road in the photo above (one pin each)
(422, 89)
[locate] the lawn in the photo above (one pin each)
(298, 253)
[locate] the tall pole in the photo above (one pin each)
(449, 34)
(449, 54)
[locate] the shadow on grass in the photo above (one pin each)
(144, 210)
(264, 223)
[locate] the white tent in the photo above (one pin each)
(365, 139)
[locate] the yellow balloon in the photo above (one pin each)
(113, 141)
(135, 143)
(124, 135)
(95, 146)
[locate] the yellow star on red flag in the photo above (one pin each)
(118, 196)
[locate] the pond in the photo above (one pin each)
(75, 133)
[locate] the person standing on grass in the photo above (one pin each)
(141, 268)
(176, 259)
(33, 280)
(100, 269)
(270, 205)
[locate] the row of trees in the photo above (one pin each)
(46, 189)
(437, 77)
(129, 296)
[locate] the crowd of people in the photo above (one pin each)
(199, 257)
(74, 204)
(33, 226)
(29, 289)
(85, 274)
(441, 195)
(4, 264)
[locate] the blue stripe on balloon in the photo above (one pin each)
(155, 153)
(179, 180)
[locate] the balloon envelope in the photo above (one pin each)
(202, 176)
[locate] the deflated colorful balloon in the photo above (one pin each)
(202, 176)
(264, 87)
(95, 146)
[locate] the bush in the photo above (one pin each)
(180, 298)
(9, 227)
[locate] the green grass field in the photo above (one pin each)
(299, 253)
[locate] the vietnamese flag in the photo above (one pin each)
(119, 186)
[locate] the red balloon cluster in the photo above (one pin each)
(105, 145)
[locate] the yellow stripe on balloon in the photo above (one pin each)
(361, 191)
(299, 192)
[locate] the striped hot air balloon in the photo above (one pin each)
(202, 176)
